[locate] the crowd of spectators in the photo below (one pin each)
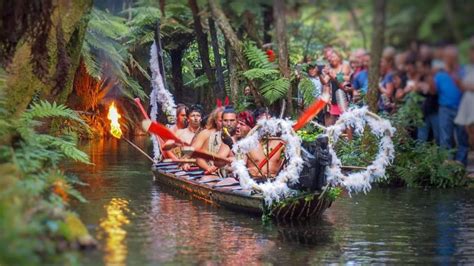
(446, 88)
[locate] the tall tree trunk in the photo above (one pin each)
(233, 73)
(267, 23)
(279, 14)
(357, 25)
(62, 44)
(217, 59)
(162, 7)
(451, 18)
(251, 28)
(203, 45)
(234, 43)
(376, 52)
(177, 72)
(229, 33)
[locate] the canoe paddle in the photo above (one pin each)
(304, 119)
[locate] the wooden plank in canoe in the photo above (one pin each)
(193, 177)
(164, 164)
(209, 178)
(229, 188)
(195, 172)
(167, 167)
(229, 181)
(243, 192)
(173, 171)
(181, 173)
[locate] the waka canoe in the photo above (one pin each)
(228, 193)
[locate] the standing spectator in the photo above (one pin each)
(386, 85)
(339, 76)
(447, 85)
(465, 116)
(356, 61)
(360, 81)
(429, 105)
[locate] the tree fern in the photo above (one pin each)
(142, 25)
(306, 87)
(44, 148)
(256, 57)
(45, 109)
(104, 51)
(270, 83)
(260, 73)
(275, 89)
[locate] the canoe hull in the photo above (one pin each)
(243, 201)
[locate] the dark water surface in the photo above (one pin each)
(138, 222)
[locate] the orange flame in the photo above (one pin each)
(114, 116)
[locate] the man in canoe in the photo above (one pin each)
(181, 118)
(215, 139)
(193, 116)
(245, 123)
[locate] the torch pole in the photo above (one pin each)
(138, 148)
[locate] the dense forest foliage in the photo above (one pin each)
(63, 62)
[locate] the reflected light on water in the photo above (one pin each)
(115, 248)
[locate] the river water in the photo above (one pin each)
(138, 222)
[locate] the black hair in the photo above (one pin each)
(180, 107)
(194, 108)
(260, 111)
(229, 109)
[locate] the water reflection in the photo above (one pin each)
(112, 232)
(310, 233)
(184, 231)
(384, 226)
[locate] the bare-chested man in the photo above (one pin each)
(181, 110)
(245, 123)
(208, 139)
(229, 122)
(193, 117)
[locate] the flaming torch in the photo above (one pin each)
(116, 131)
(114, 116)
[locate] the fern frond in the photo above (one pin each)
(93, 68)
(307, 88)
(135, 64)
(260, 73)
(108, 25)
(275, 89)
(45, 109)
(256, 57)
(199, 81)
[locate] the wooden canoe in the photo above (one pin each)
(225, 194)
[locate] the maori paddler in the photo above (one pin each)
(208, 139)
(245, 123)
(193, 116)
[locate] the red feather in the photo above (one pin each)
(218, 102)
(226, 101)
